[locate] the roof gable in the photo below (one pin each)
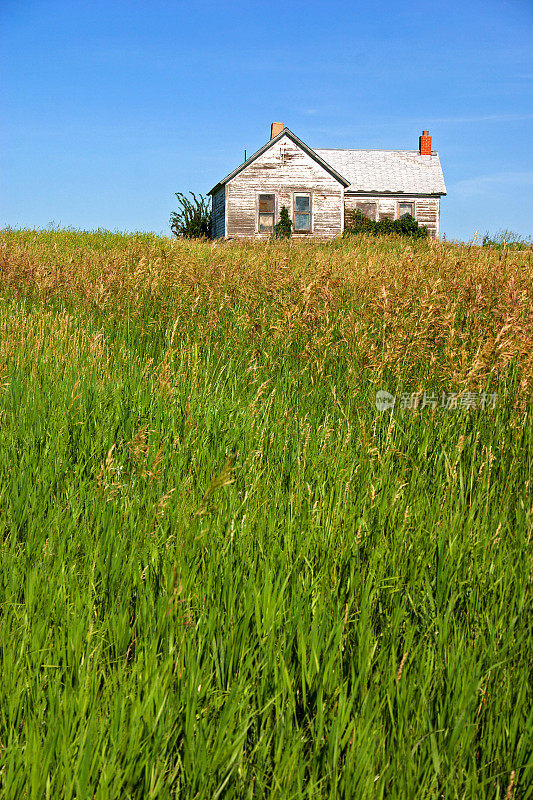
(298, 142)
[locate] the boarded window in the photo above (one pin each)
(302, 212)
(267, 204)
(405, 209)
(368, 209)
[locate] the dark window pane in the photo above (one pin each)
(266, 203)
(266, 222)
(302, 202)
(368, 209)
(404, 209)
(301, 222)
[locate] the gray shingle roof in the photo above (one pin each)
(394, 171)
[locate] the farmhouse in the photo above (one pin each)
(320, 187)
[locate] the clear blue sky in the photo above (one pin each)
(108, 108)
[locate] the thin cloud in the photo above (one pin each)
(398, 123)
(483, 118)
(497, 180)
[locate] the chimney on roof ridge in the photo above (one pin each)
(276, 128)
(424, 143)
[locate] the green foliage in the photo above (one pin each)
(506, 239)
(406, 226)
(283, 228)
(193, 219)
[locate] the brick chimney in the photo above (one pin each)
(424, 142)
(276, 128)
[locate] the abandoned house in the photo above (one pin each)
(321, 187)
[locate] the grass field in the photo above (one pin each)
(223, 572)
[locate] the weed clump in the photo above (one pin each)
(283, 228)
(193, 219)
(405, 226)
(506, 239)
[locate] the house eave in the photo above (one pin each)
(389, 193)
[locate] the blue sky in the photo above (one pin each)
(109, 108)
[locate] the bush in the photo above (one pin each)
(193, 220)
(505, 238)
(406, 226)
(283, 229)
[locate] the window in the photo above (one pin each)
(368, 209)
(267, 205)
(406, 208)
(302, 212)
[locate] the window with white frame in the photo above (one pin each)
(302, 212)
(405, 209)
(266, 213)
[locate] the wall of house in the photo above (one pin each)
(218, 214)
(282, 170)
(427, 209)
(428, 213)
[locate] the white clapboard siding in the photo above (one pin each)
(428, 213)
(282, 170)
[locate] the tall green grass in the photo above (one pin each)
(223, 572)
